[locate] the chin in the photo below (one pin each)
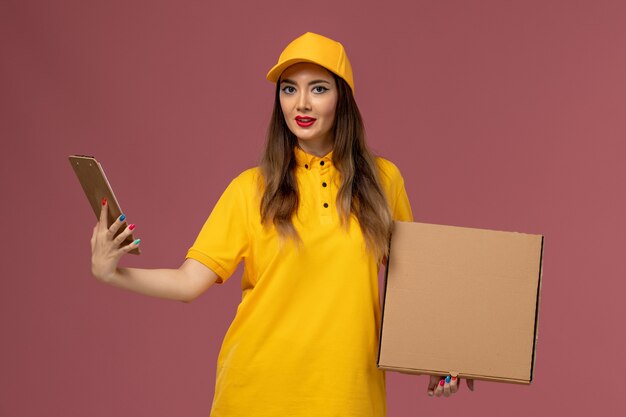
(307, 137)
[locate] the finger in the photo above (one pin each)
(454, 384)
(117, 224)
(130, 246)
(470, 384)
(439, 389)
(432, 384)
(446, 386)
(93, 235)
(102, 223)
(119, 239)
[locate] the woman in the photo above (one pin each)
(311, 225)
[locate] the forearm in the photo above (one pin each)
(171, 284)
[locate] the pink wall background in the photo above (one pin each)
(501, 115)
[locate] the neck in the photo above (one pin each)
(318, 148)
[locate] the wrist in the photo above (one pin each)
(107, 278)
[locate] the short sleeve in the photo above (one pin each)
(224, 238)
(393, 184)
(401, 209)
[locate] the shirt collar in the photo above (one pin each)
(308, 161)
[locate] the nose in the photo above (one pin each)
(303, 103)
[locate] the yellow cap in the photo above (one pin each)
(317, 49)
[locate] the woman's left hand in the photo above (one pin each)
(438, 386)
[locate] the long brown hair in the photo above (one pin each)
(360, 192)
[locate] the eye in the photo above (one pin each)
(288, 89)
(319, 89)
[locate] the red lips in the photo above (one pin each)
(304, 121)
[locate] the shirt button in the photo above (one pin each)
(322, 163)
(325, 205)
(324, 184)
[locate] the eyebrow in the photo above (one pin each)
(288, 81)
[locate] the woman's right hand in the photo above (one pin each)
(105, 250)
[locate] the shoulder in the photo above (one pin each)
(250, 176)
(248, 183)
(393, 185)
(389, 174)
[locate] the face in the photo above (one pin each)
(308, 98)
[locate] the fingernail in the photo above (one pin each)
(104, 201)
(448, 379)
(441, 382)
(122, 217)
(454, 378)
(131, 227)
(137, 241)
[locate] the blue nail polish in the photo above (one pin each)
(448, 379)
(122, 217)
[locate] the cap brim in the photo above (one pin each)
(274, 74)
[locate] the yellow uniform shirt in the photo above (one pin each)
(305, 337)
